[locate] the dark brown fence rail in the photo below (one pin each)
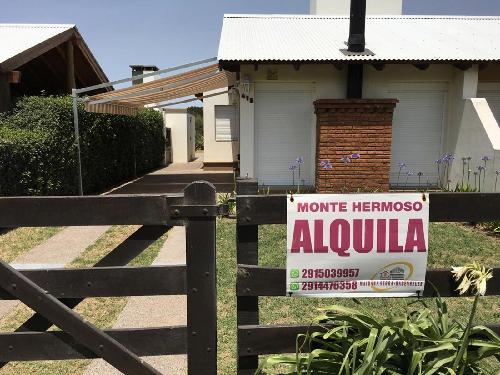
(254, 281)
(53, 293)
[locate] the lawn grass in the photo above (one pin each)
(16, 242)
(102, 312)
(450, 244)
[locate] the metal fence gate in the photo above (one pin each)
(53, 293)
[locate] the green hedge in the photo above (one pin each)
(37, 152)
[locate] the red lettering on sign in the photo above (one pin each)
(319, 246)
(340, 234)
(394, 246)
(381, 233)
(358, 236)
(301, 237)
(415, 237)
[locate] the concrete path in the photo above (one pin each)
(155, 311)
(55, 252)
(175, 177)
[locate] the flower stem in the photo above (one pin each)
(465, 338)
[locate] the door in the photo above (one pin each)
(417, 132)
(491, 92)
(283, 132)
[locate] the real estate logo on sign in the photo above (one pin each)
(357, 245)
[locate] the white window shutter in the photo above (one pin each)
(226, 124)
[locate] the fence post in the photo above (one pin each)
(247, 252)
(201, 282)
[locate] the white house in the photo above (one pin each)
(421, 87)
(220, 130)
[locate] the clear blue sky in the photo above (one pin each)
(172, 32)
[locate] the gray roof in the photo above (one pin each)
(390, 38)
(17, 38)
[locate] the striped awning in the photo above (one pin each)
(126, 101)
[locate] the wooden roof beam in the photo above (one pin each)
(338, 65)
(463, 66)
(422, 66)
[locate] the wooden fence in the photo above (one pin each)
(53, 293)
(254, 281)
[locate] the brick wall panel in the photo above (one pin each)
(347, 126)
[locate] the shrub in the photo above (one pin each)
(197, 112)
(38, 155)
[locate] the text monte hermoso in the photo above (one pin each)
(357, 244)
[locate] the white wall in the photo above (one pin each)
(469, 129)
(329, 83)
(391, 7)
(216, 151)
(478, 135)
(181, 126)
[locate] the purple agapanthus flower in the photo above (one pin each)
(292, 167)
(448, 158)
(355, 156)
(497, 171)
(439, 161)
(485, 158)
(326, 164)
(345, 159)
(419, 174)
(401, 164)
(409, 173)
(480, 168)
(299, 160)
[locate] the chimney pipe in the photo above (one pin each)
(356, 42)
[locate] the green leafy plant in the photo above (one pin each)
(421, 341)
(229, 200)
(197, 112)
(460, 188)
(37, 151)
(492, 226)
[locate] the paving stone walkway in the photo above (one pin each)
(56, 252)
(155, 311)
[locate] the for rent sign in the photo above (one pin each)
(364, 245)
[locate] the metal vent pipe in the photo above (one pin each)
(356, 42)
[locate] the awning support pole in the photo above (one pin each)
(77, 141)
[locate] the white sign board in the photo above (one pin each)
(357, 245)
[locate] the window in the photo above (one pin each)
(226, 123)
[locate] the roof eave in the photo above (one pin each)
(50, 43)
(235, 64)
(91, 59)
(35, 51)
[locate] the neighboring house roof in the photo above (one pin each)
(21, 43)
(254, 38)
